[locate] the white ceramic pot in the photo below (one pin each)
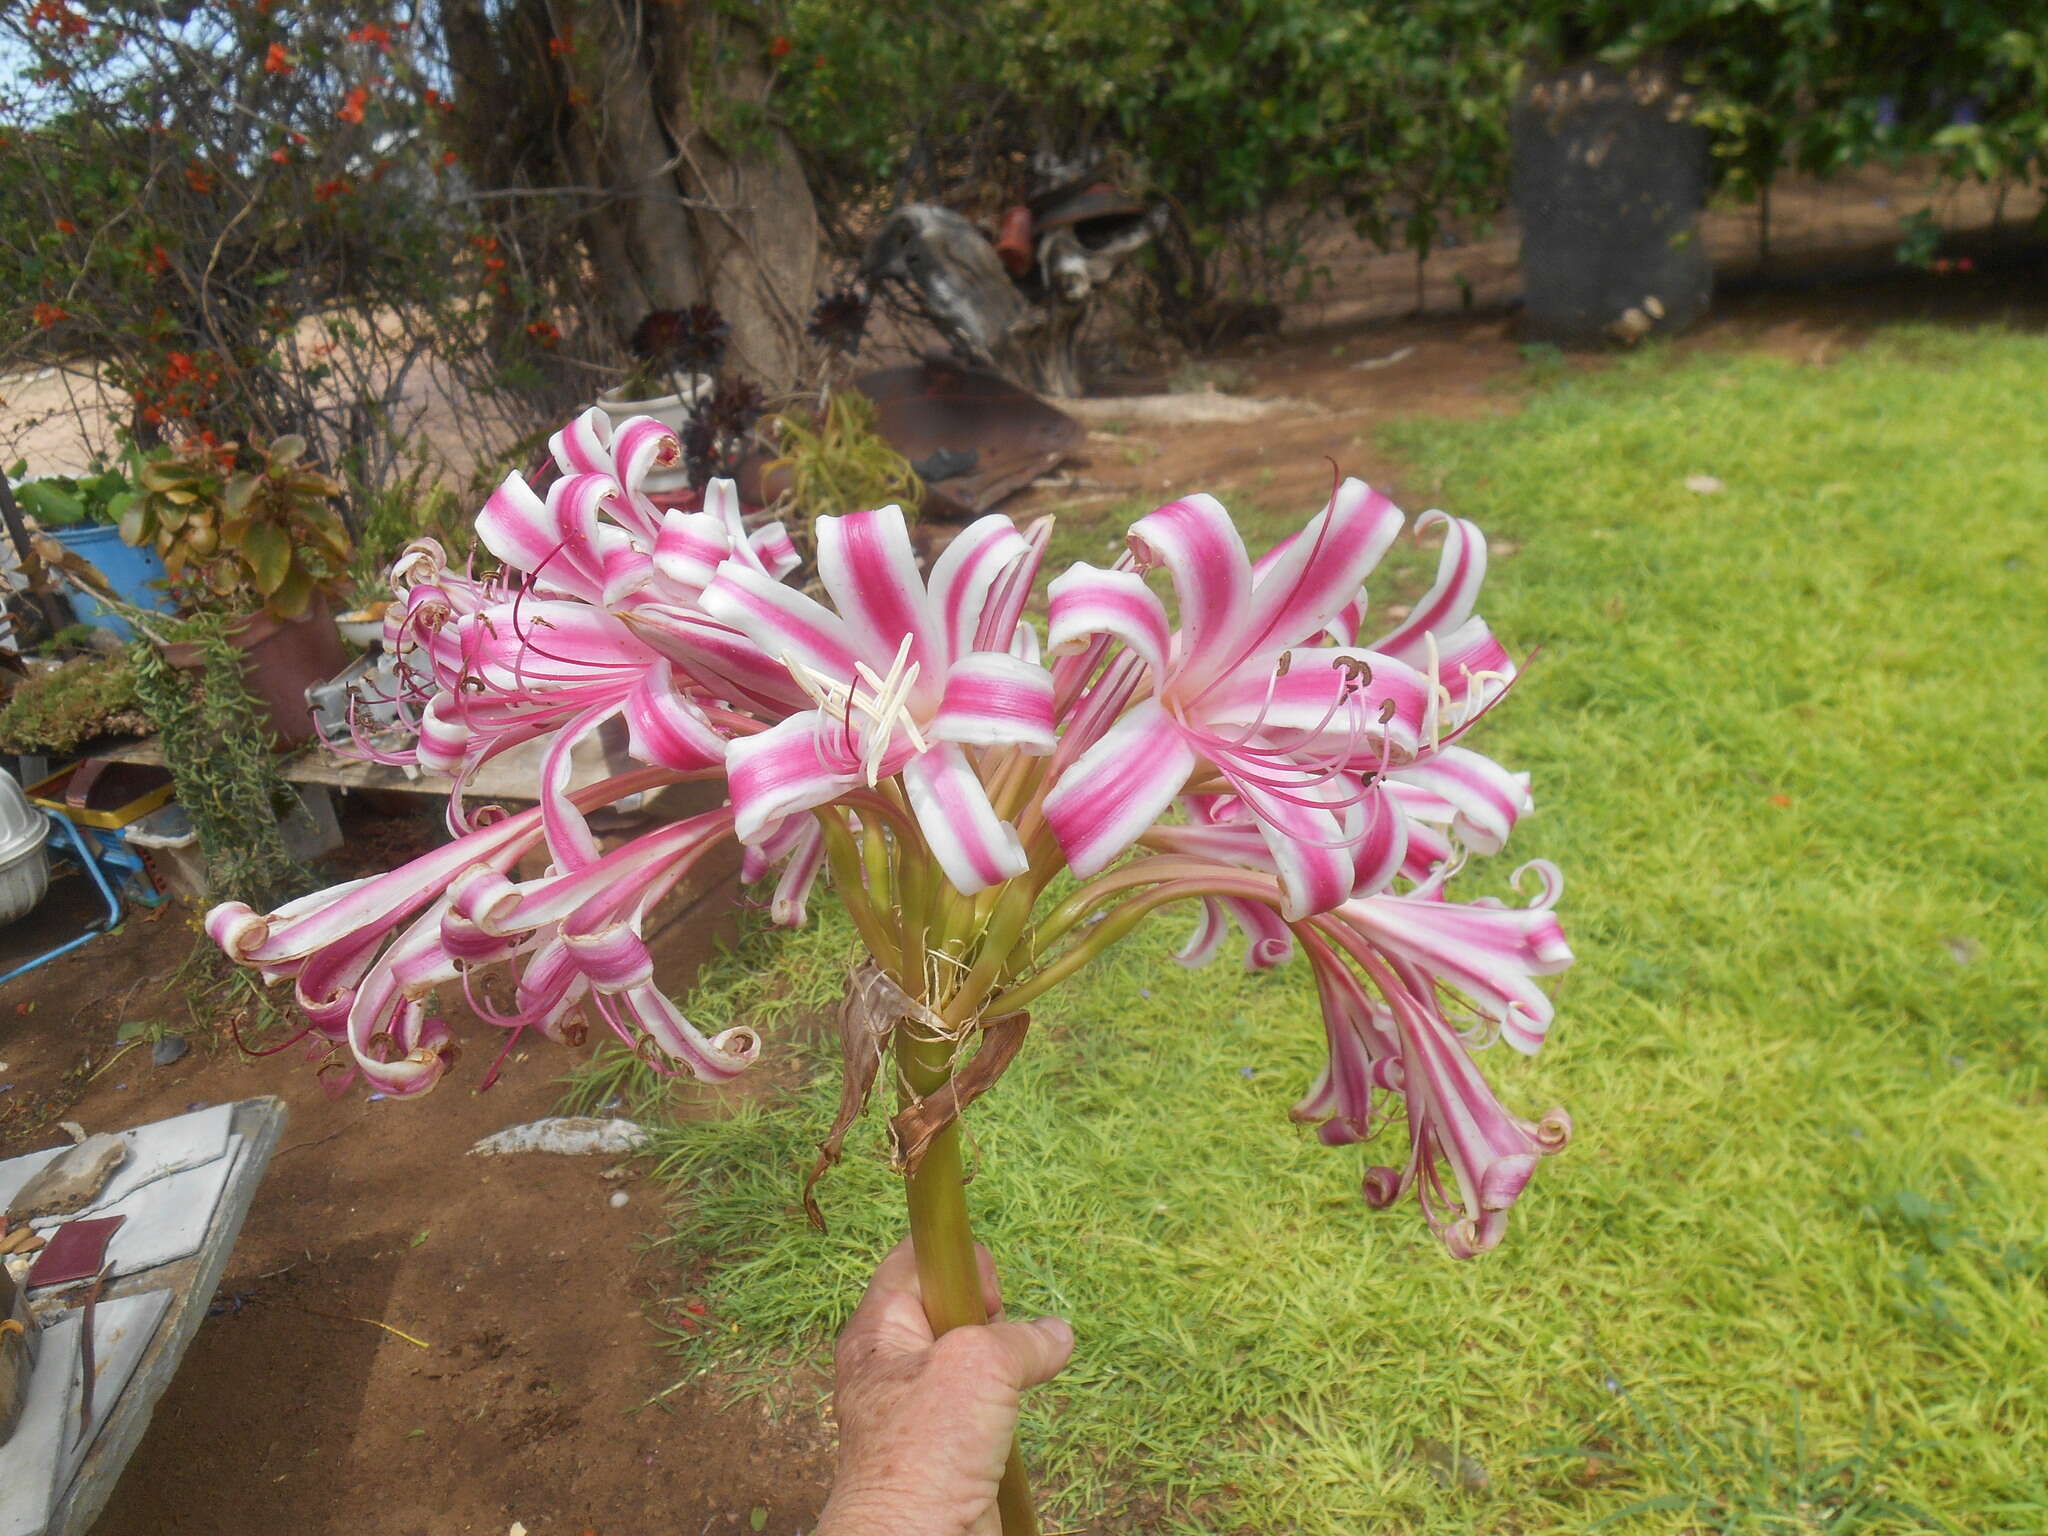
(24, 862)
(672, 411)
(362, 627)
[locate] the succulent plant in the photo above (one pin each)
(266, 537)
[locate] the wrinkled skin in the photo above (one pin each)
(925, 1425)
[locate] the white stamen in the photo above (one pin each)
(1439, 695)
(884, 700)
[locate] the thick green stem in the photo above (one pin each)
(944, 1243)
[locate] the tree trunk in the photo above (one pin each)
(680, 191)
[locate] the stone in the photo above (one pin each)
(71, 1180)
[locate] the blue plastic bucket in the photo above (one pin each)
(128, 570)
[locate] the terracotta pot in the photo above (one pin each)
(284, 657)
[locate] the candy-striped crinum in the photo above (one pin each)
(1240, 695)
(1207, 733)
(900, 687)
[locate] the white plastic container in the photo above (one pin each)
(24, 860)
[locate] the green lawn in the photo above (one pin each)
(1788, 746)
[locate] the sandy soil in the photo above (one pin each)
(534, 1302)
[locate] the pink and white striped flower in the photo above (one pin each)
(1238, 690)
(900, 690)
(1399, 1043)
(1285, 780)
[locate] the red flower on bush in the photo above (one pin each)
(560, 44)
(54, 12)
(351, 111)
(327, 191)
(281, 156)
(370, 32)
(158, 261)
(543, 332)
(47, 315)
(780, 47)
(66, 227)
(277, 61)
(199, 179)
(449, 157)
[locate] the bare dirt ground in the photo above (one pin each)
(534, 1304)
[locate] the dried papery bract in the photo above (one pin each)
(1245, 756)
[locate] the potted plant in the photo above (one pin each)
(82, 513)
(677, 350)
(262, 544)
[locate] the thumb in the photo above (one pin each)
(1032, 1353)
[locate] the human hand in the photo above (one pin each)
(924, 1425)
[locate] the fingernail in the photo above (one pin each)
(1059, 1328)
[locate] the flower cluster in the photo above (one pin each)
(994, 810)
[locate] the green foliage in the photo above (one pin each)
(1252, 117)
(1744, 1477)
(1249, 117)
(1822, 86)
(215, 213)
(263, 537)
(66, 501)
(410, 507)
(842, 461)
(1764, 759)
(215, 736)
(58, 710)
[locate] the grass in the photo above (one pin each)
(1787, 741)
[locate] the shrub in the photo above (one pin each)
(244, 221)
(264, 535)
(1821, 86)
(1251, 118)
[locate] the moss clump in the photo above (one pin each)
(57, 711)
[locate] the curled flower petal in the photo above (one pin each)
(614, 957)
(664, 728)
(792, 891)
(1491, 955)
(866, 563)
(1485, 799)
(1119, 787)
(689, 550)
(790, 767)
(972, 844)
(1086, 602)
(1305, 582)
(1461, 570)
(781, 622)
(1195, 540)
(584, 446)
(994, 699)
(965, 572)
(647, 1010)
